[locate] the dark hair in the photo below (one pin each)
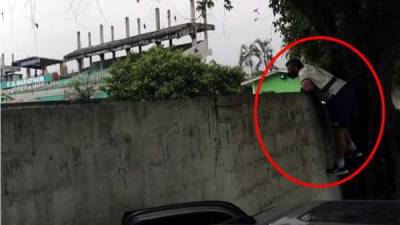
(295, 62)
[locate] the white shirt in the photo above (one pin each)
(320, 78)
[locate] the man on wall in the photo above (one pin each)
(340, 98)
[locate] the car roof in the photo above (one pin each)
(334, 213)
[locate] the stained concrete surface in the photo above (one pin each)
(89, 163)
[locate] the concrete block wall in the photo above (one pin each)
(89, 163)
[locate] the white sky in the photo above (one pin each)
(59, 20)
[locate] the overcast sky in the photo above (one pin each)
(59, 20)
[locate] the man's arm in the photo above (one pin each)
(307, 85)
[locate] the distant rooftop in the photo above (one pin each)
(173, 32)
(36, 62)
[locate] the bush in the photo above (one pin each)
(168, 74)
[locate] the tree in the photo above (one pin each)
(260, 50)
(263, 51)
(83, 89)
(372, 27)
(246, 58)
(168, 74)
(202, 5)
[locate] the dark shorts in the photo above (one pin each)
(341, 107)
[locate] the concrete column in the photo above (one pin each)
(102, 42)
(169, 17)
(44, 70)
(79, 39)
(193, 20)
(192, 11)
(128, 50)
(89, 39)
(139, 26)
(28, 73)
(61, 69)
(80, 64)
(90, 45)
(101, 61)
(169, 25)
(112, 33)
(205, 32)
(139, 32)
(2, 65)
(112, 39)
(101, 34)
(127, 27)
(158, 24)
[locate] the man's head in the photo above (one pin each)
(293, 66)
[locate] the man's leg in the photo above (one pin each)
(339, 168)
(352, 151)
(340, 140)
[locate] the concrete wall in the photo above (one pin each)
(89, 163)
